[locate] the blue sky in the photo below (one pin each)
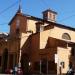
(64, 8)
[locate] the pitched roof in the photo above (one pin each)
(40, 19)
(3, 35)
(49, 10)
(54, 23)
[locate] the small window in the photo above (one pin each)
(53, 17)
(17, 23)
(45, 16)
(66, 36)
(17, 31)
(63, 64)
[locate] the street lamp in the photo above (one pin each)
(29, 64)
(40, 66)
(19, 71)
(19, 63)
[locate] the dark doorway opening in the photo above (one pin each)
(44, 66)
(5, 60)
(25, 63)
(48, 67)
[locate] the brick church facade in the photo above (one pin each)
(46, 46)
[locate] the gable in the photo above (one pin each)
(18, 22)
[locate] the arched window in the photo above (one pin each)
(66, 36)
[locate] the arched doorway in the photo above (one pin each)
(5, 60)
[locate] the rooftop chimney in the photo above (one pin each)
(49, 15)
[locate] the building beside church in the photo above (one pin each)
(42, 45)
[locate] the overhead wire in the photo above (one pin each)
(13, 6)
(66, 18)
(44, 2)
(4, 23)
(8, 7)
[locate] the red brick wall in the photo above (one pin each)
(23, 24)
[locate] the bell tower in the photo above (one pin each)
(18, 24)
(49, 15)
